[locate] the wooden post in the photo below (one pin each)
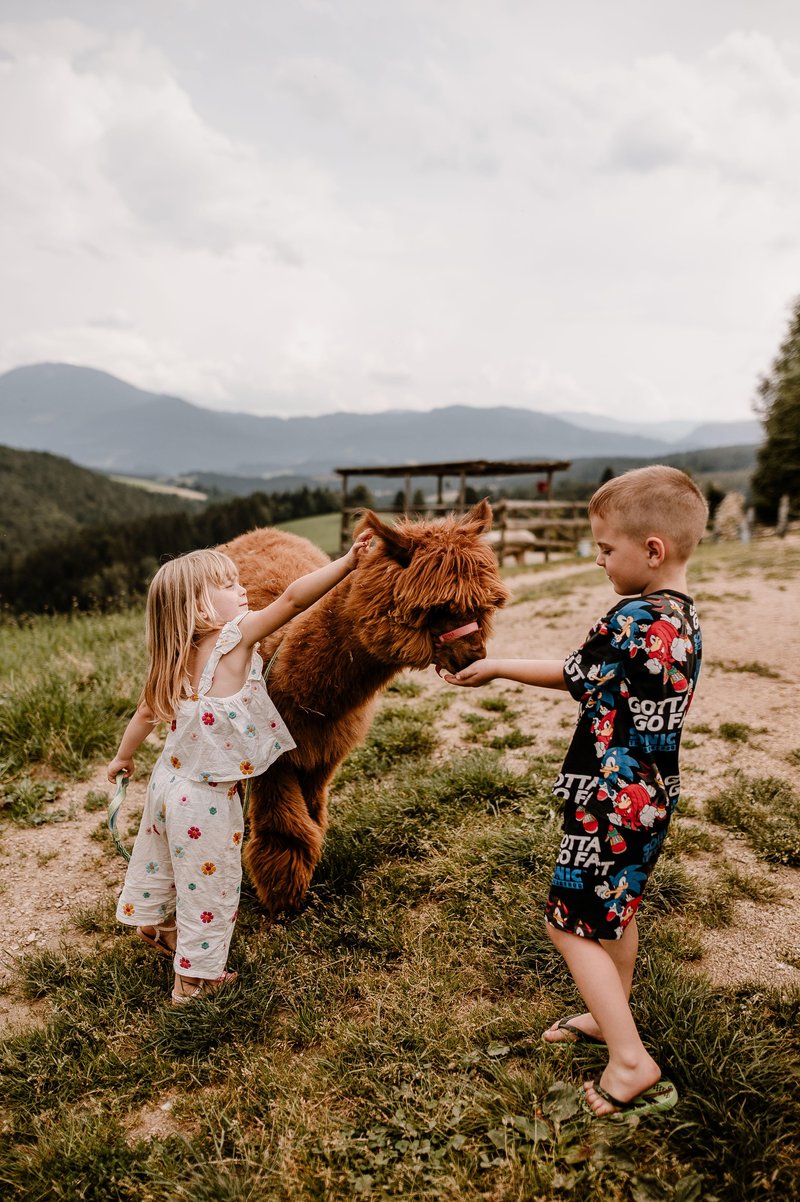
(462, 493)
(407, 497)
(344, 532)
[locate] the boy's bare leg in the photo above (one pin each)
(623, 952)
(630, 1069)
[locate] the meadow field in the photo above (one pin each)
(386, 1042)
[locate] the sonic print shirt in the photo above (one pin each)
(634, 678)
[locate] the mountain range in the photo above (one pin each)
(99, 421)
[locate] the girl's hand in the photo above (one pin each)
(358, 549)
(118, 764)
(474, 675)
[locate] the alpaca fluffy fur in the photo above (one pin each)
(418, 580)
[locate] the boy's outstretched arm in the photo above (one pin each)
(546, 673)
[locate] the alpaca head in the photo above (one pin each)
(423, 580)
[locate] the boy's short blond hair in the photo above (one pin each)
(657, 500)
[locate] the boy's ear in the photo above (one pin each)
(656, 550)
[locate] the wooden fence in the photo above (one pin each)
(546, 526)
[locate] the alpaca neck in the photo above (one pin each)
(324, 635)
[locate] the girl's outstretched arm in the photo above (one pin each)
(136, 732)
(302, 592)
(547, 673)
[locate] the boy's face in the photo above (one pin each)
(624, 558)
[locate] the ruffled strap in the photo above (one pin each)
(229, 637)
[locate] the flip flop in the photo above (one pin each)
(577, 1035)
(661, 1096)
(156, 940)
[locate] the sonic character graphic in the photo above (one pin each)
(664, 648)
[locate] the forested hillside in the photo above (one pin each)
(72, 539)
(45, 498)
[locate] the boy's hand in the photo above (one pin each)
(120, 765)
(358, 549)
(474, 675)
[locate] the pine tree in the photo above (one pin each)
(778, 463)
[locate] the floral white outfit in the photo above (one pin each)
(187, 858)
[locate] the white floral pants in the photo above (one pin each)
(187, 861)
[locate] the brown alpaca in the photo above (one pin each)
(419, 580)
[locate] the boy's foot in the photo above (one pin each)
(162, 938)
(579, 1028)
(187, 988)
(661, 1096)
(619, 1089)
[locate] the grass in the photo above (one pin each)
(766, 810)
(478, 724)
(512, 738)
(324, 530)
(754, 667)
(27, 802)
(64, 721)
(385, 1043)
(321, 529)
(735, 732)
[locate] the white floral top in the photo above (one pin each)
(226, 738)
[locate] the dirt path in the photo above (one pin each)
(56, 871)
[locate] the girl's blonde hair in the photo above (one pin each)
(179, 609)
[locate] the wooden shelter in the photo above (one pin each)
(463, 470)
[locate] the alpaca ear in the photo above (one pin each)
(397, 545)
(479, 518)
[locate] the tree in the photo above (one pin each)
(777, 470)
(360, 495)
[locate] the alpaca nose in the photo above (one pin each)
(457, 655)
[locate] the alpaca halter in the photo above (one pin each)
(450, 636)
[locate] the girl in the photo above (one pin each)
(181, 889)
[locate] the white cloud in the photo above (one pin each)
(452, 214)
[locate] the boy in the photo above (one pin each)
(634, 678)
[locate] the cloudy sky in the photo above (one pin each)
(298, 206)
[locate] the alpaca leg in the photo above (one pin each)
(314, 786)
(284, 844)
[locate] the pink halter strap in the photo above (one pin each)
(451, 635)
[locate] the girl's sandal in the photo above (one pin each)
(157, 941)
(204, 989)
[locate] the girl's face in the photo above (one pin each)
(229, 600)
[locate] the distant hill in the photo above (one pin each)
(218, 484)
(45, 498)
(102, 422)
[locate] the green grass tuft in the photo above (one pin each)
(26, 802)
(765, 809)
(735, 732)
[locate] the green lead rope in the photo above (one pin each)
(113, 810)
